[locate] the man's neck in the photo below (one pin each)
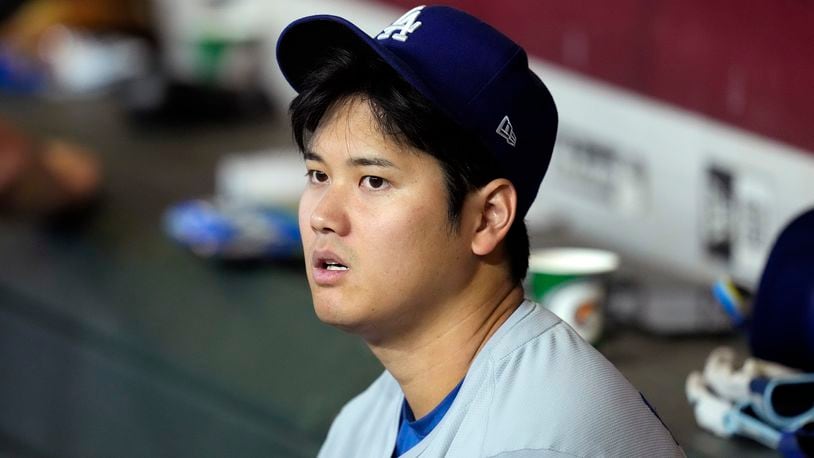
(429, 365)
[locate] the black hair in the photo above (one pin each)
(406, 116)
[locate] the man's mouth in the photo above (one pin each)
(331, 265)
(327, 260)
(329, 268)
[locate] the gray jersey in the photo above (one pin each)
(536, 389)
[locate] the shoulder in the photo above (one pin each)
(553, 391)
(371, 416)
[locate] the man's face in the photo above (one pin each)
(380, 255)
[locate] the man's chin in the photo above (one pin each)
(331, 314)
(345, 322)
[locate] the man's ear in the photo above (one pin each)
(496, 205)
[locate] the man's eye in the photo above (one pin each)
(315, 176)
(374, 182)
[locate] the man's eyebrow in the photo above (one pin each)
(309, 155)
(353, 161)
(370, 161)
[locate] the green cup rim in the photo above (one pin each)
(572, 261)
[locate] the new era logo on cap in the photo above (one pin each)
(403, 26)
(505, 130)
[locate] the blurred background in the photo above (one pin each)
(152, 298)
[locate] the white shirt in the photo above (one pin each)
(536, 389)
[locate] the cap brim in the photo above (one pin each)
(306, 43)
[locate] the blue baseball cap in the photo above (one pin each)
(782, 328)
(474, 74)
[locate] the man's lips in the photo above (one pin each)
(328, 268)
(325, 259)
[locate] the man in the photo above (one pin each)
(425, 147)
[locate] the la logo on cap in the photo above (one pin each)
(404, 26)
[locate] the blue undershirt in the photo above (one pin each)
(411, 431)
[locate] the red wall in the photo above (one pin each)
(749, 63)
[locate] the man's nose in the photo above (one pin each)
(330, 212)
